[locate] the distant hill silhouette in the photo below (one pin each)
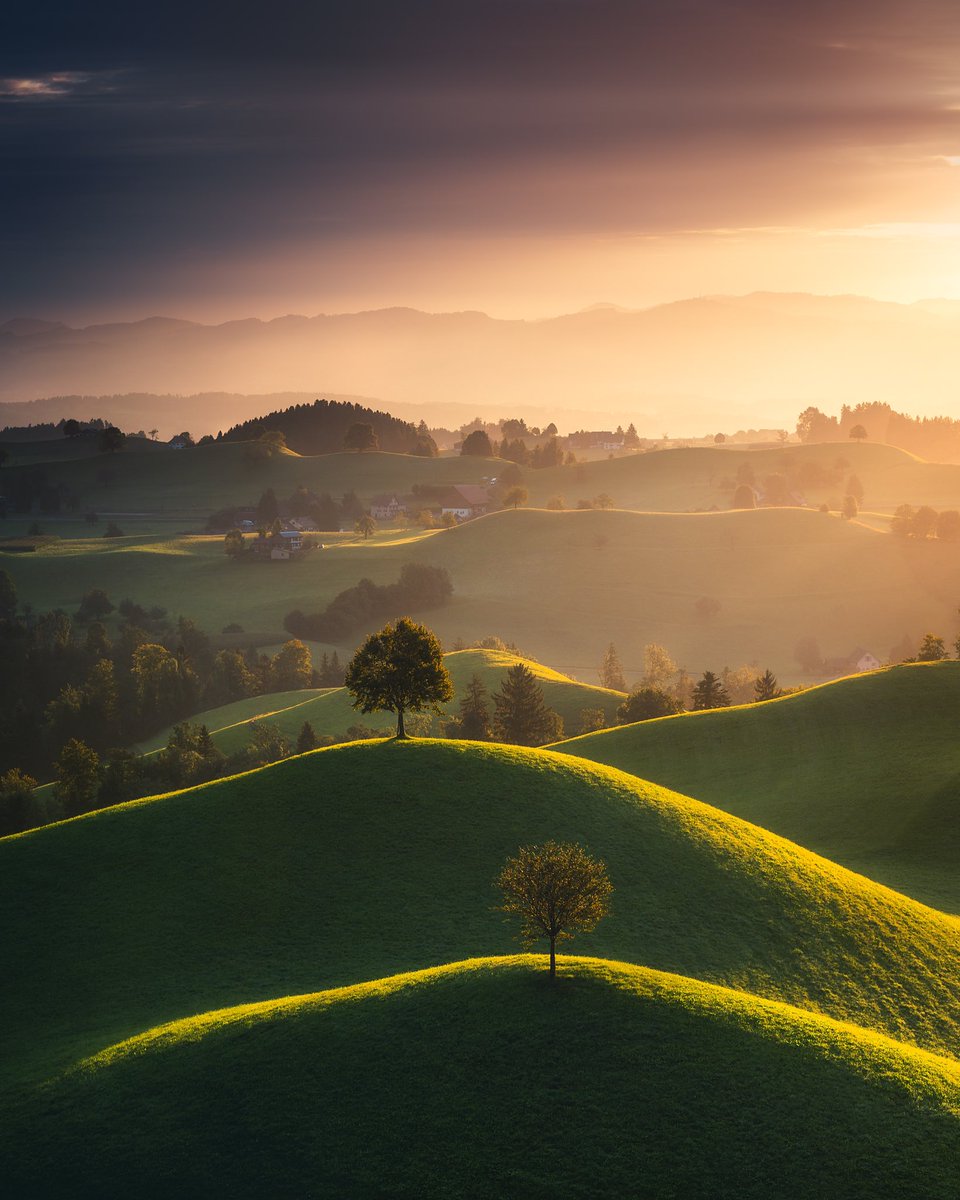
(320, 427)
(715, 362)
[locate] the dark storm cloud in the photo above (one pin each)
(133, 137)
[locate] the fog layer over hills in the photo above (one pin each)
(724, 362)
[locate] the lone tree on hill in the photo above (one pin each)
(858, 433)
(710, 693)
(361, 436)
(557, 890)
(521, 716)
(766, 687)
(850, 508)
(400, 669)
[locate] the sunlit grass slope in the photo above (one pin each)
(865, 771)
(563, 585)
(479, 1079)
(330, 711)
(365, 860)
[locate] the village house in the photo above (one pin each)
(465, 500)
(286, 544)
(387, 507)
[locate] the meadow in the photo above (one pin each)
(692, 1089)
(863, 770)
(777, 575)
(330, 711)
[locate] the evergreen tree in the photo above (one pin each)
(306, 739)
(611, 671)
(766, 687)
(710, 693)
(267, 509)
(521, 715)
(474, 715)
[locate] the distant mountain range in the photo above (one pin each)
(713, 362)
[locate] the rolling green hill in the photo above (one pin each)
(330, 710)
(478, 1079)
(365, 860)
(201, 479)
(562, 585)
(196, 481)
(865, 771)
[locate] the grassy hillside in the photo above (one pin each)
(477, 1079)
(864, 771)
(691, 478)
(331, 711)
(196, 481)
(201, 479)
(343, 865)
(562, 585)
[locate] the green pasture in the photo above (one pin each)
(364, 860)
(865, 771)
(562, 585)
(330, 710)
(478, 1079)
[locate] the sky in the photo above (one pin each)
(522, 157)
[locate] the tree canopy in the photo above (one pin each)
(556, 890)
(399, 670)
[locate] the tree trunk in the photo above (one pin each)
(401, 732)
(553, 958)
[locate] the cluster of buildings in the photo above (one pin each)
(462, 500)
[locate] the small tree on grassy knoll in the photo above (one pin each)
(400, 669)
(557, 890)
(858, 433)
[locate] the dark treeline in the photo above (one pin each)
(65, 677)
(419, 587)
(321, 427)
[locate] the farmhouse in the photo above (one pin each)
(387, 507)
(465, 500)
(286, 544)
